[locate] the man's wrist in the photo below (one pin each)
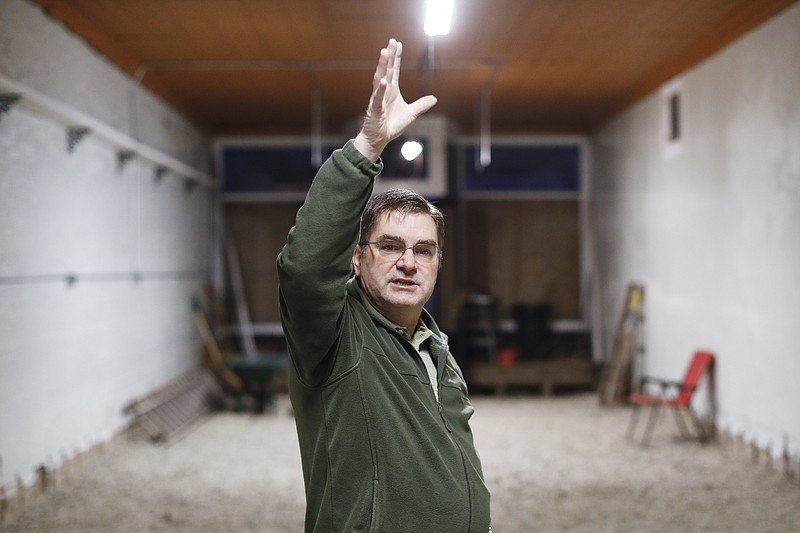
(360, 161)
(367, 149)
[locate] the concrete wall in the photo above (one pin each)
(711, 228)
(72, 355)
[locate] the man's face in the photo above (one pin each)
(398, 288)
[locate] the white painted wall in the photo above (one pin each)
(71, 357)
(713, 231)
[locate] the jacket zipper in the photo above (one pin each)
(440, 368)
(441, 414)
(439, 378)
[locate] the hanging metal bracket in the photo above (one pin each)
(485, 105)
(74, 135)
(7, 101)
(317, 119)
(123, 158)
(159, 173)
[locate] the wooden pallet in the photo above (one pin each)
(546, 374)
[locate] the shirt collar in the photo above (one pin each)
(421, 334)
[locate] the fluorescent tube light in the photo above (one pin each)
(437, 17)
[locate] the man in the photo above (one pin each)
(380, 404)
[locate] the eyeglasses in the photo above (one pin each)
(393, 250)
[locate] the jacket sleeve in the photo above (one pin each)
(316, 262)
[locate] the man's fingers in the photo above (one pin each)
(384, 61)
(388, 64)
(423, 105)
(398, 54)
(376, 102)
(391, 52)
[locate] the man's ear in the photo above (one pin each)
(357, 260)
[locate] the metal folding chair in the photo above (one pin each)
(673, 395)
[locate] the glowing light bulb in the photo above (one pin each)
(411, 150)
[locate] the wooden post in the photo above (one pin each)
(615, 382)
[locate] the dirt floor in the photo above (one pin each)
(552, 464)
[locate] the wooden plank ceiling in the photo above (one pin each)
(254, 66)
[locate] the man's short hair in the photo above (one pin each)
(404, 202)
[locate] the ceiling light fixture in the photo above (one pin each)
(437, 17)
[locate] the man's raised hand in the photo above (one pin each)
(388, 114)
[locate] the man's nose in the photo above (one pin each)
(407, 259)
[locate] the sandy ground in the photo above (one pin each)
(552, 464)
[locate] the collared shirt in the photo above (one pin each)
(421, 334)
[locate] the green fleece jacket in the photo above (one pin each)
(379, 453)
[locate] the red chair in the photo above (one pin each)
(672, 395)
